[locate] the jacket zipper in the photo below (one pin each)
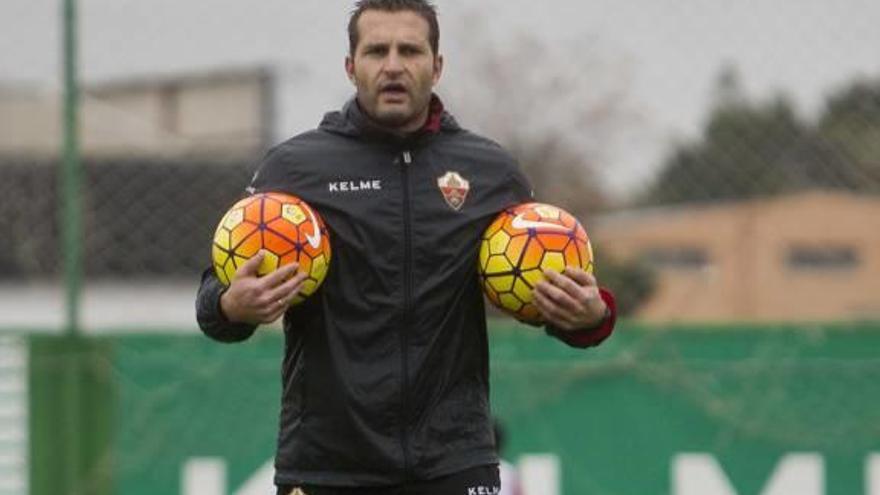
(407, 317)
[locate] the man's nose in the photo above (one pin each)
(393, 63)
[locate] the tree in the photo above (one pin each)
(851, 123)
(757, 149)
(739, 156)
(554, 110)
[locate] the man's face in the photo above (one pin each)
(394, 68)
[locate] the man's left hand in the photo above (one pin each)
(570, 300)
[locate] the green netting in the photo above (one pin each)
(745, 395)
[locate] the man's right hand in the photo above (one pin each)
(253, 299)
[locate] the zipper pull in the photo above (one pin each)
(407, 157)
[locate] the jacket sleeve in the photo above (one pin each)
(211, 319)
(590, 337)
(522, 188)
(271, 169)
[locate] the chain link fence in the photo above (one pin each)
(763, 212)
(572, 103)
(142, 217)
(151, 216)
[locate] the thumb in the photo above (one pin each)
(251, 266)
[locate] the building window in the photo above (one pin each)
(822, 258)
(677, 258)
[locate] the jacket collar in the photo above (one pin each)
(352, 121)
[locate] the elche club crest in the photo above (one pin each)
(454, 188)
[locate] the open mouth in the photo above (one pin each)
(393, 90)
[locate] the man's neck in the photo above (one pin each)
(428, 120)
(405, 130)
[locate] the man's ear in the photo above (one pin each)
(438, 68)
(349, 69)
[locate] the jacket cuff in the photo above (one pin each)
(590, 337)
(211, 319)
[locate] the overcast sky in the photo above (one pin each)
(666, 53)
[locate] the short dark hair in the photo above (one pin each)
(424, 8)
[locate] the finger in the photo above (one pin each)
(552, 312)
(562, 281)
(251, 266)
(560, 296)
(283, 291)
(581, 293)
(270, 309)
(580, 276)
(549, 309)
(270, 300)
(280, 275)
(278, 312)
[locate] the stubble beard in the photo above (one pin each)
(393, 119)
(396, 119)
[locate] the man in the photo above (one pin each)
(385, 374)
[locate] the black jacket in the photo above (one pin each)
(386, 370)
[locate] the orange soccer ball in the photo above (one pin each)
(283, 225)
(519, 245)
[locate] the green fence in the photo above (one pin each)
(726, 411)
